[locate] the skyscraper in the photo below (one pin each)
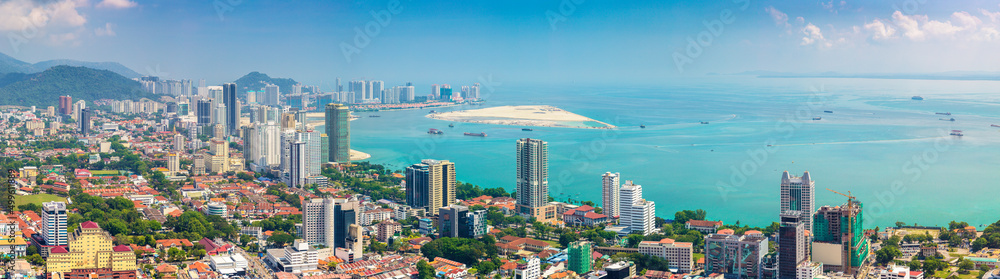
(791, 244)
(272, 95)
(54, 223)
(232, 109)
(637, 213)
(296, 173)
(430, 184)
(204, 109)
(797, 194)
(179, 143)
(338, 131)
(173, 163)
(84, 122)
(533, 179)
(610, 187)
(737, 257)
(65, 105)
(458, 221)
(359, 88)
(375, 88)
(579, 257)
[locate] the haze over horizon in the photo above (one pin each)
(514, 41)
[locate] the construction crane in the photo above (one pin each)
(850, 197)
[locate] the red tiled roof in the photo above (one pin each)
(121, 248)
(89, 225)
(703, 223)
(58, 249)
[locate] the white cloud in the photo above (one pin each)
(117, 4)
(30, 16)
(814, 36)
(909, 25)
(880, 30)
(107, 30)
(780, 18)
(994, 16)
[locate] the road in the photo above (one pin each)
(257, 269)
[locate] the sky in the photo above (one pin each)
(460, 42)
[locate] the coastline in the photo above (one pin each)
(534, 116)
(358, 155)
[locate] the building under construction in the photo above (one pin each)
(839, 240)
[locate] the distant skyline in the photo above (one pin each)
(514, 41)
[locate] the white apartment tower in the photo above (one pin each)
(636, 213)
(54, 223)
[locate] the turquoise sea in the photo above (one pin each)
(893, 153)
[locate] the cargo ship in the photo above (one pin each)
(957, 133)
(828, 111)
(476, 134)
(918, 98)
(433, 131)
(942, 113)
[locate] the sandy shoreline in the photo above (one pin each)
(536, 116)
(358, 155)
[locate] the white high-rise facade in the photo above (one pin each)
(272, 95)
(53, 224)
(610, 193)
(264, 146)
(375, 88)
(637, 213)
(797, 194)
(359, 88)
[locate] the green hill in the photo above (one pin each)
(256, 81)
(10, 65)
(43, 89)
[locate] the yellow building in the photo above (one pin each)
(90, 254)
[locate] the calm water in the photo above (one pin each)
(891, 152)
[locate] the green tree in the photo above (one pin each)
(887, 254)
(425, 270)
(568, 237)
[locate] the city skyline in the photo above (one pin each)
(576, 42)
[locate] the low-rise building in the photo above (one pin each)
(705, 227)
(678, 254)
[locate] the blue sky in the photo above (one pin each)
(514, 41)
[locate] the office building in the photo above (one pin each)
(792, 244)
(430, 184)
(296, 258)
(288, 121)
(272, 95)
(204, 112)
(620, 270)
(636, 212)
(833, 228)
(679, 254)
(232, 108)
(296, 173)
(797, 194)
(533, 180)
(360, 90)
(84, 122)
(327, 221)
(338, 131)
(216, 208)
(458, 221)
(735, 257)
(90, 254)
(53, 224)
(610, 193)
(579, 256)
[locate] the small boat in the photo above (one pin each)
(918, 98)
(948, 119)
(942, 113)
(704, 122)
(957, 133)
(433, 131)
(526, 129)
(476, 134)
(828, 111)
(995, 125)
(452, 125)
(642, 126)
(432, 111)
(817, 118)
(374, 116)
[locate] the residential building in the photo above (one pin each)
(338, 131)
(84, 123)
(232, 108)
(736, 257)
(327, 221)
(430, 184)
(899, 272)
(637, 213)
(678, 254)
(530, 269)
(90, 254)
(533, 180)
(387, 229)
(458, 221)
(610, 194)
